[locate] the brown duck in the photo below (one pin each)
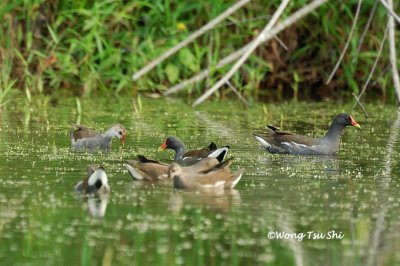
(216, 177)
(150, 170)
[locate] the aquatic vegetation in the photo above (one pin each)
(42, 220)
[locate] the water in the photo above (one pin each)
(43, 222)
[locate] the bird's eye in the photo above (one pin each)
(120, 132)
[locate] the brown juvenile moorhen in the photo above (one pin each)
(217, 177)
(150, 170)
(85, 138)
(95, 182)
(184, 157)
(287, 143)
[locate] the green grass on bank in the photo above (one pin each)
(89, 47)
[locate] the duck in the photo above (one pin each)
(84, 138)
(282, 142)
(185, 157)
(146, 169)
(218, 176)
(151, 170)
(95, 182)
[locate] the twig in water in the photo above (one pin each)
(347, 43)
(189, 39)
(389, 8)
(238, 94)
(361, 105)
(366, 28)
(392, 49)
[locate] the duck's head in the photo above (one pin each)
(171, 143)
(118, 131)
(345, 120)
(174, 170)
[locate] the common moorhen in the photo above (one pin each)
(150, 170)
(283, 142)
(86, 138)
(184, 157)
(217, 177)
(95, 182)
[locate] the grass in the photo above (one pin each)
(83, 48)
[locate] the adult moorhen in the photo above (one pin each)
(85, 138)
(283, 142)
(217, 177)
(150, 170)
(95, 182)
(184, 157)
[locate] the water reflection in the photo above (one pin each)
(96, 206)
(378, 246)
(217, 200)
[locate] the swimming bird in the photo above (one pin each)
(151, 170)
(95, 182)
(218, 176)
(282, 142)
(185, 157)
(84, 138)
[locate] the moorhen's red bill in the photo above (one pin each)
(282, 142)
(85, 138)
(184, 157)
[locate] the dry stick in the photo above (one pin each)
(392, 48)
(203, 74)
(305, 10)
(389, 7)
(238, 94)
(361, 105)
(189, 39)
(366, 28)
(347, 43)
(373, 66)
(246, 54)
(232, 57)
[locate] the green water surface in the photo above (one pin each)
(354, 194)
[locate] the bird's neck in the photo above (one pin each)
(334, 133)
(109, 133)
(179, 152)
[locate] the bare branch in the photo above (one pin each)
(361, 105)
(366, 28)
(373, 66)
(246, 54)
(299, 14)
(392, 49)
(238, 94)
(189, 39)
(389, 8)
(203, 74)
(347, 42)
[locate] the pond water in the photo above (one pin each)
(353, 194)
